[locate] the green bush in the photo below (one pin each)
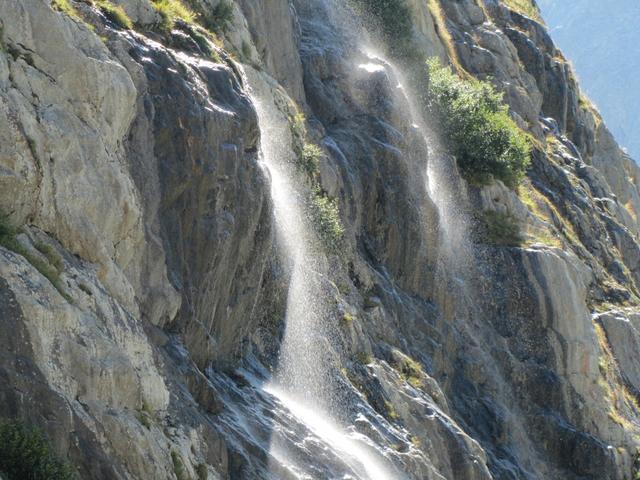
(325, 217)
(25, 454)
(309, 161)
(498, 228)
(476, 127)
(323, 210)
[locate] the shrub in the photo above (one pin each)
(25, 453)
(325, 217)
(115, 13)
(310, 159)
(322, 209)
(500, 229)
(172, 10)
(475, 125)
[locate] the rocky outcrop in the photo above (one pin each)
(142, 312)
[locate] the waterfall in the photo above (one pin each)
(302, 382)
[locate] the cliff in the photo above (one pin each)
(233, 247)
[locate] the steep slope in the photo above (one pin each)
(148, 299)
(606, 71)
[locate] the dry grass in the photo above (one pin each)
(115, 13)
(621, 401)
(525, 7)
(440, 22)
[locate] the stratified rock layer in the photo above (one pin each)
(131, 161)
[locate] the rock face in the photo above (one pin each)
(141, 314)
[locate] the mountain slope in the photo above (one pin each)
(168, 312)
(606, 67)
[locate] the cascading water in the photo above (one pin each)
(303, 382)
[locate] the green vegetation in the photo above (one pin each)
(220, 19)
(50, 269)
(347, 318)
(310, 159)
(498, 228)
(172, 10)
(411, 372)
(390, 410)
(325, 217)
(476, 127)
(323, 210)
(25, 454)
(115, 13)
(363, 358)
(392, 18)
(65, 7)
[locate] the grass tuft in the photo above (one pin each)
(172, 10)
(64, 6)
(115, 13)
(525, 7)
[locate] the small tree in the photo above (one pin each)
(476, 127)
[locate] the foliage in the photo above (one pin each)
(26, 454)
(115, 13)
(323, 210)
(325, 216)
(172, 10)
(221, 17)
(411, 372)
(392, 18)
(475, 125)
(310, 159)
(499, 228)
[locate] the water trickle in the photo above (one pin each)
(303, 383)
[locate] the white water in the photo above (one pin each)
(302, 382)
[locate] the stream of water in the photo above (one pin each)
(302, 382)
